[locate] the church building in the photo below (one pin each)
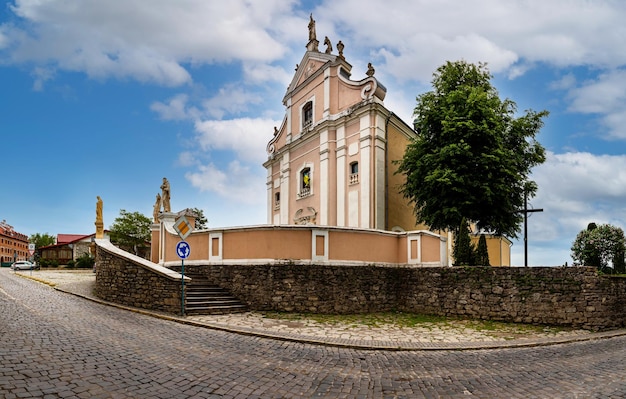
(331, 162)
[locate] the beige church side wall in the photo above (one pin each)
(267, 244)
(400, 213)
(371, 247)
(498, 249)
(431, 250)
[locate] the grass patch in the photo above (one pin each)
(411, 320)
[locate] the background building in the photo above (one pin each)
(13, 245)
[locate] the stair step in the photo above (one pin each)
(203, 297)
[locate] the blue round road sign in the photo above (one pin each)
(183, 249)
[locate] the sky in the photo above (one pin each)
(105, 98)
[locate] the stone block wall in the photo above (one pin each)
(576, 297)
(125, 282)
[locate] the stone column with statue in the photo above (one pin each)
(99, 222)
(165, 196)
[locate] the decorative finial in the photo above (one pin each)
(340, 48)
(329, 46)
(370, 69)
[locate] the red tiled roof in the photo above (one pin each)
(70, 238)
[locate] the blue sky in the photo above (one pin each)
(107, 98)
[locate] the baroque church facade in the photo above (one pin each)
(331, 161)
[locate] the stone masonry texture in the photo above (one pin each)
(567, 296)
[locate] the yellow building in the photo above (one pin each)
(331, 162)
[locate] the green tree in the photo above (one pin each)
(463, 252)
(201, 220)
(41, 240)
(472, 157)
(130, 231)
(482, 253)
(602, 246)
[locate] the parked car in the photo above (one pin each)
(24, 265)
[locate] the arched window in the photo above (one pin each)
(305, 182)
(307, 115)
(354, 173)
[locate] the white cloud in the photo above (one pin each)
(41, 75)
(262, 73)
(237, 182)
(578, 188)
(605, 95)
(147, 41)
(231, 100)
(558, 32)
(247, 137)
(174, 109)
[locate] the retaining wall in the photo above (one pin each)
(575, 296)
(129, 280)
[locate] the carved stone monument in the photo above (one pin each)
(165, 196)
(99, 222)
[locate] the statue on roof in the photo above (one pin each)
(312, 35)
(370, 69)
(329, 46)
(340, 48)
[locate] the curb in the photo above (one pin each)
(364, 345)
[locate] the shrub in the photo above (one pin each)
(85, 262)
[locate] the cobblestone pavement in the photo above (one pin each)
(55, 345)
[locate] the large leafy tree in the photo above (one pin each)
(472, 156)
(41, 240)
(602, 246)
(130, 231)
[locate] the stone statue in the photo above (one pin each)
(340, 48)
(329, 46)
(312, 34)
(99, 222)
(99, 211)
(165, 196)
(370, 69)
(157, 208)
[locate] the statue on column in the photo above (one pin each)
(157, 208)
(165, 195)
(99, 221)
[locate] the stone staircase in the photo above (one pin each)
(204, 298)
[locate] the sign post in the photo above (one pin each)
(182, 250)
(183, 228)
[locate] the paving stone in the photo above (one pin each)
(63, 346)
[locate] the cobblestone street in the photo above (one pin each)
(56, 345)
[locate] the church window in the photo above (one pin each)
(277, 200)
(307, 115)
(305, 183)
(354, 173)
